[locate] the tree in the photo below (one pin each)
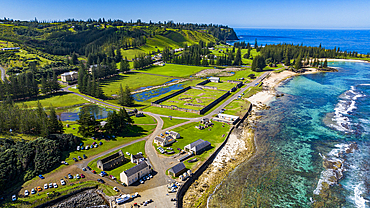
(55, 84)
(298, 63)
(74, 59)
(125, 97)
(287, 58)
(124, 65)
(55, 125)
(118, 57)
(44, 87)
(325, 63)
(204, 62)
(255, 44)
(238, 58)
(87, 123)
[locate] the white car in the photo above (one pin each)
(62, 182)
(141, 181)
(46, 186)
(116, 189)
(50, 185)
(14, 198)
(33, 191)
(55, 185)
(26, 193)
(78, 176)
(78, 148)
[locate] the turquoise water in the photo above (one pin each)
(316, 121)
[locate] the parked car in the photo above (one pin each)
(84, 169)
(87, 147)
(26, 193)
(78, 176)
(96, 146)
(112, 177)
(124, 184)
(75, 159)
(46, 186)
(84, 156)
(93, 171)
(39, 188)
(116, 189)
(62, 182)
(78, 148)
(88, 167)
(173, 199)
(14, 198)
(79, 157)
(141, 181)
(33, 191)
(92, 146)
(82, 147)
(150, 175)
(42, 177)
(82, 176)
(147, 178)
(100, 143)
(50, 185)
(55, 185)
(101, 180)
(70, 176)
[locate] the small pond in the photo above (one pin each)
(72, 114)
(143, 96)
(142, 88)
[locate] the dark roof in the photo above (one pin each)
(177, 168)
(202, 145)
(136, 169)
(160, 139)
(196, 143)
(138, 156)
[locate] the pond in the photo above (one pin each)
(143, 96)
(72, 114)
(142, 88)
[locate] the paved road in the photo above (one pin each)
(160, 164)
(2, 73)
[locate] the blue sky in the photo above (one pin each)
(238, 13)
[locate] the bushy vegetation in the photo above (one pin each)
(23, 160)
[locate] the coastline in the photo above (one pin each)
(241, 145)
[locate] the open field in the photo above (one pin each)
(133, 80)
(144, 120)
(136, 132)
(242, 74)
(237, 107)
(215, 135)
(201, 98)
(60, 99)
(168, 123)
(174, 70)
(222, 85)
(132, 149)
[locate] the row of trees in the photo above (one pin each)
(88, 83)
(117, 123)
(28, 121)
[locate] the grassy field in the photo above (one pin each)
(144, 120)
(133, 80)
(174, 70)
(251, 91)
(60, 99)
(132, 149)
(222, 85)
(242, 74)
(237, 107)
(215, 135)
(136, 132)
(168, 123)
(194, 96)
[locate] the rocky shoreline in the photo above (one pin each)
(89, 198)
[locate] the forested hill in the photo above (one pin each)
(92, 36)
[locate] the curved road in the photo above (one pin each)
(159, 163)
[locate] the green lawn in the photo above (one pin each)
(136, 132)
(133, 80)
(222, 85)
(132, 149)
(144, 120)
(242, 74)
(60, 99)
(190, 134)
(251, 91)
(194, 96)
(174, 70)
(168, 123)
(169, 112)
(237, 107)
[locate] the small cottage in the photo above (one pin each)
(198, 147)
(177, 170)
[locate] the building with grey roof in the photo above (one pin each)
(198, 146)
(177, 170)
(134, 174)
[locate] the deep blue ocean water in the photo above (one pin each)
(317, 120)
(346, 40)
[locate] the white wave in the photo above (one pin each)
(357, 198)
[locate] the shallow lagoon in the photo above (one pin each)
(72, 114)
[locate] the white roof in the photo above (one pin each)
(214, 78)
(227, 115)
(69, 73)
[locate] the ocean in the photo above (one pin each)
(313, 144)
(346, 40)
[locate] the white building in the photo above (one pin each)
(226, 118)
(214, 79)
(198, 146)
(9, 49)
(69, 76)
(134, 174)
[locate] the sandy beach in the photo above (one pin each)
(347, 60)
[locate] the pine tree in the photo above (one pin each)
(87, 122)
(325, 63)
(254, 63)
(121, 96)
(81, 75)
(44, 87)
(55, 84)
(74, 59)
(255, 44)
(118, 57)
(298, 62)
(287, 58)
(55, 125)
(238, 58)
(204, 62)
